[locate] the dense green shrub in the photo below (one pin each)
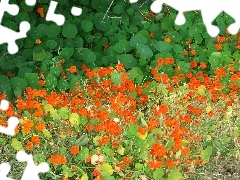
(100, 37)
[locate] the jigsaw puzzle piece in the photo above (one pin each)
(12, 9)
(4, 170)
(9, 36)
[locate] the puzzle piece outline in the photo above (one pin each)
(209, 10)
(31, 171)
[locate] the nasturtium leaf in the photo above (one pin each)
(51, 44)
(83, 140)
(50, 81)
(69, 31)
(120, 150)
(16, 144)
(62, 85)
(130, 11)
(118, 9)
(213, 60)
(122, 46)
(84, 177)
(18, 83)
(142, 60)
(206, 153)
(226, 56)
(53, 30)
(74, 119)
(83, 154)
(64, 113)
(128, 60)
(86, 25)
(133, 129)
(116, 78)
(47, 134)
(144, 50)
(178, 49)
(236, 55)
(163, 46)
(66, 53)
(132, 29)
(169, 144)
(88, 55)
(11, 24)
(39, 56)
(125, 20)
(158, 174)
(138, 166)
(139, 142)
(32, 80)
(137, 39)
(106, 169)
(55, 70)
(78, 41)
(175, 174)
(135, 72)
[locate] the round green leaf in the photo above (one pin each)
(158, 174)
(163, 46)
(138, 39)
(122, 46)
(51, 44)
(62, 85)
(69, 31)
(118, 9)
(88, 55)
(16, 144)
(116, 78)
(86, 25)
(18, 83)
(144, 50)
(128, 60)
(51, 81)
(53, 30)
(175, 175)
(66, 53)
(39, 56)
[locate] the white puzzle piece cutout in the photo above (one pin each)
(31, 171)
(7, 35)
(209, 10)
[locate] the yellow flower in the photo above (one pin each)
(38, 41)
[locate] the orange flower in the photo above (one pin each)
(193, 52)
(41, 12)
(141, 131)
(167, 39)
(169, 163)
(41, 82)
(185, 151)
(234, 77)
(120, 67)
(203, 65)
(193, 64)
(185, 52)
(169, 61)
(218, 47)
(106, 46)
(35, 140)
(40, 126)
(221, 39)
(29, 145)
(74, 150)
(127, 160)
(160, 62)
(73, 69)
(151, 34)
(152, 15)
